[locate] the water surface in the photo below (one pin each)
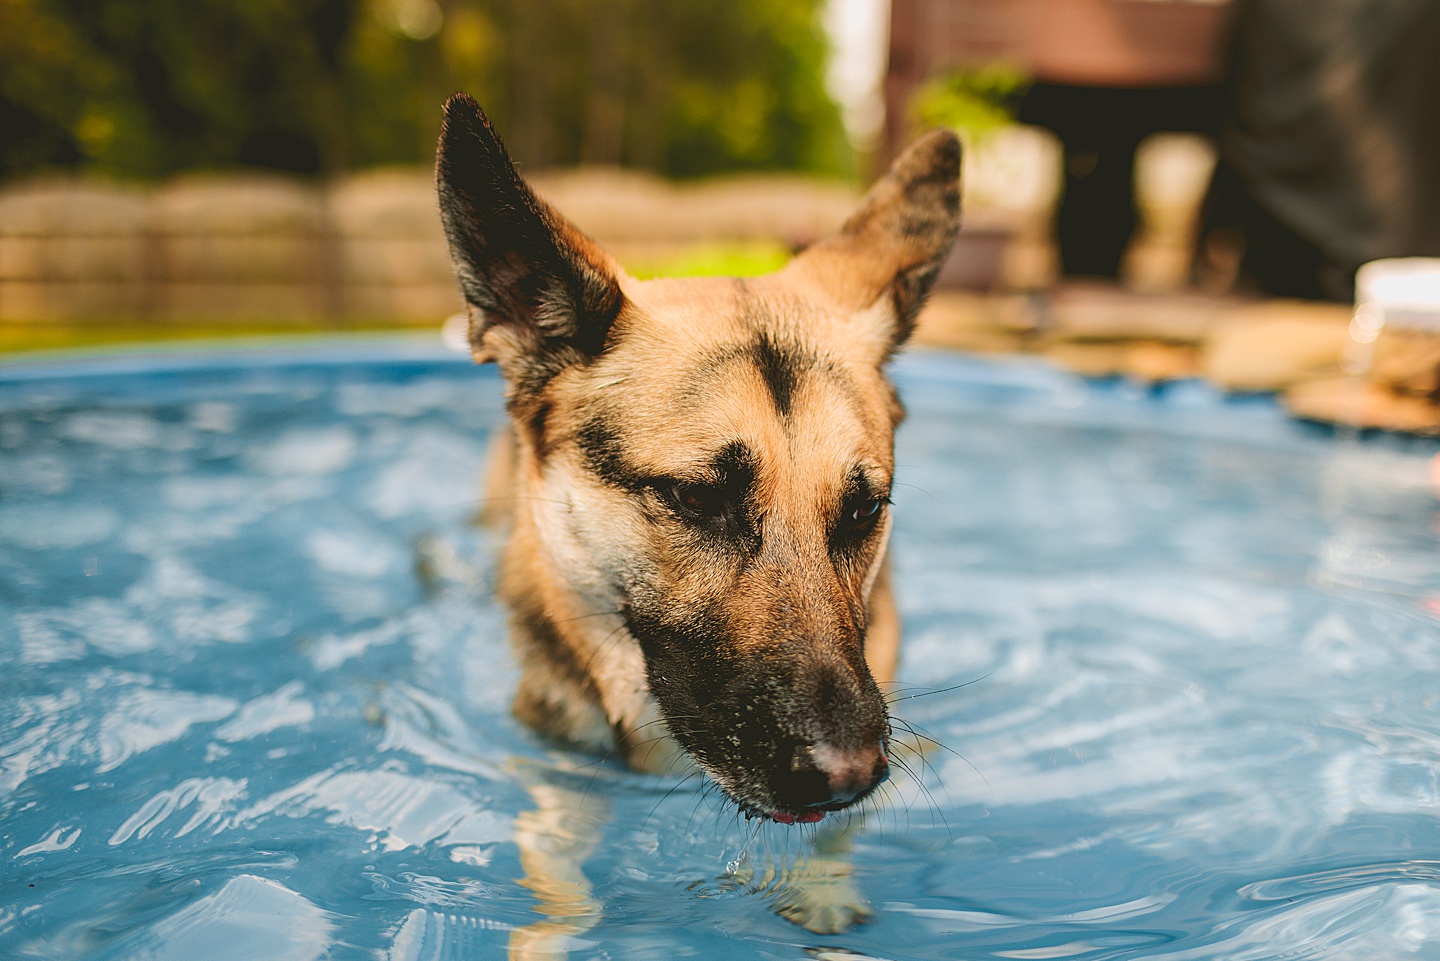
(254, 702)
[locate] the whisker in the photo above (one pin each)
(514, 499)
(666, 796)
(935, 805)
(915, 487)
(894, 805)
(873, 807)
(918, 752)
(599, 648)
(598, 764)
(703, 797)
(581, 617)
(943, 690)
(922, 735)
(930, 768)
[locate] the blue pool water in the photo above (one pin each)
(254, 693)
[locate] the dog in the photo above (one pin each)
(698, 475)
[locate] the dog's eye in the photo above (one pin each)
(860, 517)
(698, 500)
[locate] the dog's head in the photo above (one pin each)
(711, 458)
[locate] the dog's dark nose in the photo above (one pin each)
(823, 776)
(851, 773)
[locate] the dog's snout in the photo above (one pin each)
(851, 773)
(822, 776)
(802, 784)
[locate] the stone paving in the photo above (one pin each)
(1301, 349)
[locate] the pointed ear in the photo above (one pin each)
(896, 240)
(541, 294)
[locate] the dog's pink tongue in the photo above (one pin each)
(810, 817)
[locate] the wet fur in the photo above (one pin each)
(748, 638)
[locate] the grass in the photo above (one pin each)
(713, 260)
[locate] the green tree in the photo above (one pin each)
(162, 85)
(150, 87)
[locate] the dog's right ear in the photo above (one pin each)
(541, 294)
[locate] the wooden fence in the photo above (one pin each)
(369, 247)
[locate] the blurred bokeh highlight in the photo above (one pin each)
(1144, 178)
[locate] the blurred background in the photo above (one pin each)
(320, 87)
(1153, 188)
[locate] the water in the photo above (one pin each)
(255, 693)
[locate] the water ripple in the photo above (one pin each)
(1362, 923)
(400, 810)
(438, 936)
(107, 719)
(1343, 879)
(249, 918)
(210, 797)
(951, 920)
(1205, 707)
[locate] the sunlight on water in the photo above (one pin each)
(1182, 654)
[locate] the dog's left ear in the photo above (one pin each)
(542, 295)
(895, 241)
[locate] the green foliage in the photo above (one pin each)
(151, 87)
(974, 102)
(148, 88)
(750, 90)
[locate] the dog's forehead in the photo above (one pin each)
(687, 333)
(703, 364)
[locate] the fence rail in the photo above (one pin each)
(369, 247)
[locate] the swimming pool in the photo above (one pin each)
(255, 692)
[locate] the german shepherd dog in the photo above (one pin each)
(698, 472)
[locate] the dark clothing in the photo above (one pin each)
(1330, 152)
(1329, 137)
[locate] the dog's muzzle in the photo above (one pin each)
(822, 778)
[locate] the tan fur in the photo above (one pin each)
(668, 326)
(694, 479)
